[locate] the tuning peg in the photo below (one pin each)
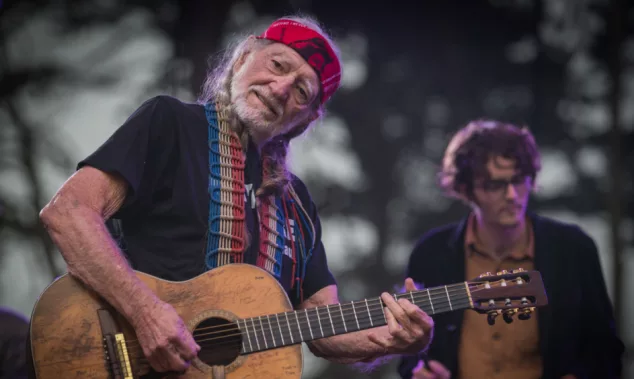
(507, 315)
(524, 314)
(518, 270)
(503, 272)
(485, 275)
(491, 315)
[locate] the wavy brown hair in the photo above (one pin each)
(469, 150)
(217, 88)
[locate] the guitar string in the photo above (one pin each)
(259, 332)
(472, 285)
(441, 293)
(347, 308)
(141, 360)
(438, 309)
(258, 326)
(263, 326)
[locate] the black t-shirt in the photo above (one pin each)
(14, 332)
(162, 152)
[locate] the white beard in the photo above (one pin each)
(250, 116)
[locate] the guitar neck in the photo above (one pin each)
(290, 328)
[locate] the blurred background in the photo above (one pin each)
(414, 72)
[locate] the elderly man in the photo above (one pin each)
(197, 186)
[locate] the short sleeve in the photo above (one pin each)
(137, 150)
(318, 274)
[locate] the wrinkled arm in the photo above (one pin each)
(75, 220)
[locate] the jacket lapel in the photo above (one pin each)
(544, 262)
(454, 268)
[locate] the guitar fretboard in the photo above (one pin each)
(289, 328)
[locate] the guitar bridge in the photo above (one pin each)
(116, 350)
(117, 356)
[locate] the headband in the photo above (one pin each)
(313, 47)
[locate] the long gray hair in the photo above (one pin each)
(217, 88)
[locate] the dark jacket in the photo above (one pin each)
(576, 329)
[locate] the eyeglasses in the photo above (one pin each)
(520, 183)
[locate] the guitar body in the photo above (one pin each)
(69, 320)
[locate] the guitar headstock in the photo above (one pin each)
(517, 292)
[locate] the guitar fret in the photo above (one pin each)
(310, 327)
(299, 327)
(375, 309)
(332, 324)
(355, 316)
(255, 334)
(266, 345)
(271, 330)
(319, 319)
(244, 347)
(246, 326)
(448, 299)
(430, 303)
(289, 328)
(382, 311)
(345, 328)
(280, 328)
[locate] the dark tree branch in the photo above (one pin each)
(27, 153)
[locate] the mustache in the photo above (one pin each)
(265, 95)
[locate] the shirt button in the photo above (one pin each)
(496, 336)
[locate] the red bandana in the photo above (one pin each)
(313, 47)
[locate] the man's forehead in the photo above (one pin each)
(499, 166)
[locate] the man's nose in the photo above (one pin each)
(511, 192)
(281, 87)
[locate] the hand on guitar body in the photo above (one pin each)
(75, 220)
(167, 343)
(410, 329)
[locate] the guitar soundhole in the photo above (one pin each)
(219, 340)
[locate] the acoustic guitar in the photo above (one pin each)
(242, 319)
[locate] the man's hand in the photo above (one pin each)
(436, 370)
(410, 329)
(166, 341)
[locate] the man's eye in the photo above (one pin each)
(494, 185)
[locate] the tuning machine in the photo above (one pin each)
(507, 315)
(491, 315)
(486, 274)
(525, 313)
